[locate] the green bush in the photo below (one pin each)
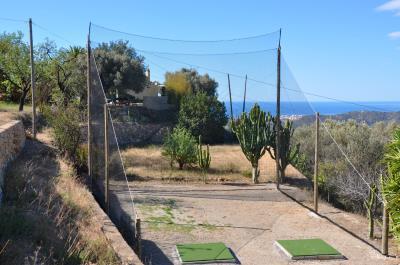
(180, 147)
(66, 129)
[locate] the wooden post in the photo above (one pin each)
(32, 80)
(138, 238)
(385, 230)
(230, 96)
(106, 169)
(278, 115)
(316, 162)
(89, 105)
(244, 97)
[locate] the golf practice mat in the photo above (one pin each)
(308, 249)
(204, 253)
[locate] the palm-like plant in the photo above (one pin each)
(391, 184)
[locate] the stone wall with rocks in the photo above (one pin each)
(12, 140)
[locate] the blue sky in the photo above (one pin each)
(343, 49)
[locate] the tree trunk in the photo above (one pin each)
(254, 173)
(22, 99)
(180, 165)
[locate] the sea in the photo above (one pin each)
(309, 108)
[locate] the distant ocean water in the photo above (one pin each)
(324, 108)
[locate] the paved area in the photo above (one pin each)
(247, 218)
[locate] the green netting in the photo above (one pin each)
(308, 248)
(204, 253)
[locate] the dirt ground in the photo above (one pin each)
(248, 219)
(6, 117)
(175, 207)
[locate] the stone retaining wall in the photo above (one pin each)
(12, 140)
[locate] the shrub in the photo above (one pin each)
(337, 180)
(66, 130)
(180, 147)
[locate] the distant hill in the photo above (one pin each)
(370, 117)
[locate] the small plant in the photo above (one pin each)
(254, 134)
(180, 147)
(203, 159)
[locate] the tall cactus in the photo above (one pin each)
(203, 158)
(288, 152)
(254, 134)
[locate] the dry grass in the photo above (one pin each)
(47, 214)
(227, 164)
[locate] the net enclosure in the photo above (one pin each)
(142, 88)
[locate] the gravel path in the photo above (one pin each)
(247, 218)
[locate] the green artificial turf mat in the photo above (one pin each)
(204, 253)
(308, 248)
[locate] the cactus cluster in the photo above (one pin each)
(254, 134)
(203, 158)
(288, 152)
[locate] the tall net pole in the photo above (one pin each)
(278, 114)
(316, 159)
(32, 80)
(89, 91)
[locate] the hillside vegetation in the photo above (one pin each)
(47, 216)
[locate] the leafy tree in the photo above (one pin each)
(121, 68)
(66, 69)
(254, 134)
(180, 147)
(14, 67)
(186, 81)
(203, 115)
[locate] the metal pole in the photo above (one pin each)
(106, 169)
(230, 96)
(89, 118)
(316, 158)
(278, 115)
(244, 97)
(32, 80)
(385, 230)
